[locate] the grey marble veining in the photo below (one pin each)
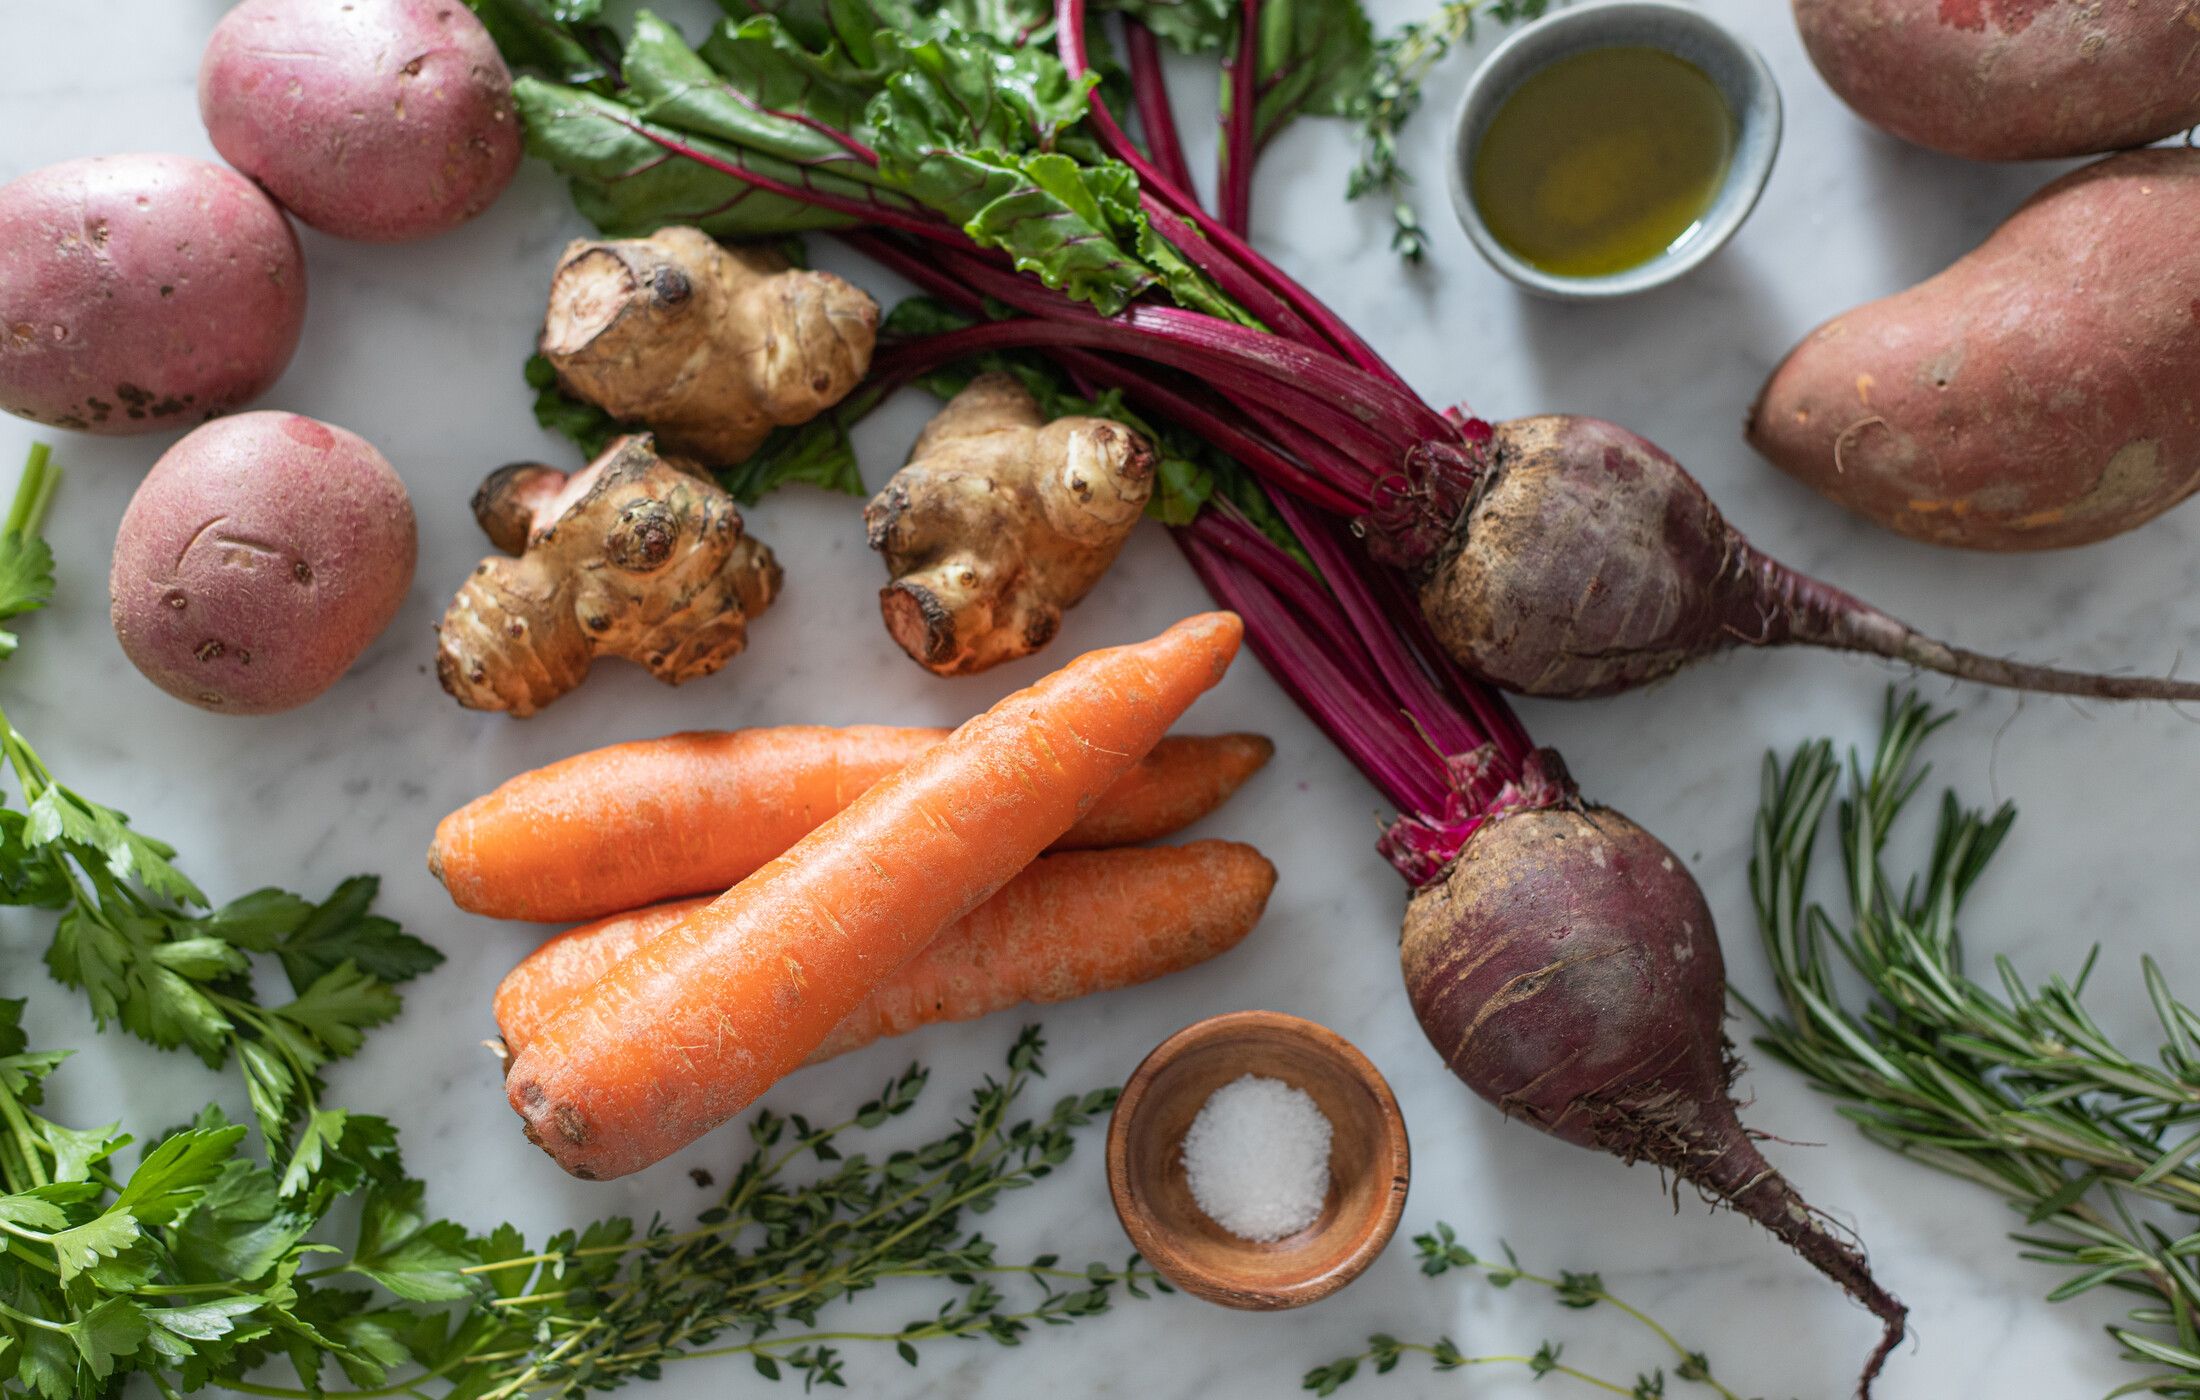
(418, 349)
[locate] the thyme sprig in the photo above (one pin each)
(1441, 1253)
(599, 1308)
(2013, 1086)
(199, 1271)
(1403, 61)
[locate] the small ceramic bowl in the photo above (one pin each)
(1738, 71)
(1368, 1161)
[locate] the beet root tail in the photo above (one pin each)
(1802, 609)
(1920, 650)
(1726, 1166)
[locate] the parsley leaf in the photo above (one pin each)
(130, 939)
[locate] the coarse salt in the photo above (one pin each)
(1257, 1156)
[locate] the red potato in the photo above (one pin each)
(259, 558)
(377, 120)
(2012, 79)
(142, 292)
(2042, 391)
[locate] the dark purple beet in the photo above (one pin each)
(1587, 561)
(1567, 969)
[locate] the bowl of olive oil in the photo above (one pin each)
(1610, 147)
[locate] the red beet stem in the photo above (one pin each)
(1157, 190)
(1233, 280)
(1798, 608)
(1156, 118)
(1241, 98)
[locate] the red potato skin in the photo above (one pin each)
(377, 120)
(140, 293)
(259, 558)
(2012, 79)
(2043, 391)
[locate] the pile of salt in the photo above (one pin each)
(1257, 1156)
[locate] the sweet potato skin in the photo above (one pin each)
(2043, 391)
(2012, 79)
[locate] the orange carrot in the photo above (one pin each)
(686, 1032)
(1069, 926)
(620, 827)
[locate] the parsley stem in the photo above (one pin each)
(24, 1232)
(20, 1129)
(18, 1249)
(33, 493)
(28, 1320)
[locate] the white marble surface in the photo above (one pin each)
(418, 349)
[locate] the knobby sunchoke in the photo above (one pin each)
(636, 555)
(707, 346)
(1000, 521)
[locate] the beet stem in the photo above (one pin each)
(1156, 117)
(1241, 96)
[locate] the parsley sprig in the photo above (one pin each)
(131, 939)
(1440, 1253)
(198, 1269)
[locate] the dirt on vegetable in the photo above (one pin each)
(1000, 522)
(637, 556)
(708, 346)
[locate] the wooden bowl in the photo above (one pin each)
(1368, 1161)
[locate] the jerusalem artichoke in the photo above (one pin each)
(1000, 521)
(707, 346)
(636, 555)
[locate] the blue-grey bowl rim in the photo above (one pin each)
(1732, 62)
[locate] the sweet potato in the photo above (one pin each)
(140, 293)
(260, 556)
(2012, 79)
(2042, 391)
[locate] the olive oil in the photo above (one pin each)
(1603, 160)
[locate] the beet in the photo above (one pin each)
(1566, 967)
(1579, 559)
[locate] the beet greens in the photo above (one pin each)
(977, 163)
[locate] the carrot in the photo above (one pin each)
(1069, 926)
(620, 827)
(685, 1033)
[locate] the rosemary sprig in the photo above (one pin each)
(1403, 61)
(1440, 1253)
(2011, 1086)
